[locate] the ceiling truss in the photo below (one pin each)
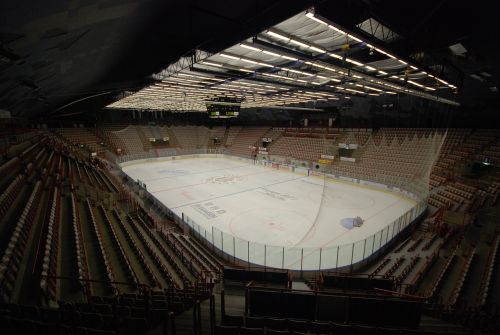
(303, 62)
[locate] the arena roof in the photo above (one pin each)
(68, 60)
(305, 59)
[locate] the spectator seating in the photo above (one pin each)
(298, 147)
(394, 267)
(48, 283)
(131, 276)
(137, 251)
(464, 274)
(191, 137)
(14, 253)
(432, 293)
(132, 141)
(231, 135)
(81, 254)
(247, 136)
(488, 274)
(100, 247)
(154, 255)
(82, 136)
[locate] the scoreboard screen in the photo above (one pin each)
(222, 114)
(223, 108)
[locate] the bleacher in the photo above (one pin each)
(248, 136)
(112, 255)
(391, 155)
(132, 139)
(68, 242)
(191, 137)
(82, 136)
(306, 148)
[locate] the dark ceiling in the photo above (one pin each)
(55, 54)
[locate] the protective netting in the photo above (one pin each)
(396, 162)
(390, 168)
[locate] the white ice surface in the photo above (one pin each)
(268, 206)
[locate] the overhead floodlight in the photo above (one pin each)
(415, 83)
(298, 43)
(229, 56)
(289, 58)
(335, 56)
(317, 49)
(250, 47)
(211, 64)
(352, 61)
(279, 36)
(271, 53)
(337, 29)
(355, 91)
(354, 38)
(312, 17)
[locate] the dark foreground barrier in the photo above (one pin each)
(353, 282)
(244, 276)
(364, 310)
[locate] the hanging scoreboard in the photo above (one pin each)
(223, 107)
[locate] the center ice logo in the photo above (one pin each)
(224, 179)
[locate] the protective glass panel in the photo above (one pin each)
(345, 255)
(358, 251)
(228, 244)
(241, 249)
(209, 236)
(293, 258)
(377, 241)
(274, 257)
(369, 246)
(311, 259)
(217, 239)
(257, 252)
(384, 235)
(391, 231)
(329, 258)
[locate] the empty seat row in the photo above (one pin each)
(154, 255)
(123, 257)
(81, 258)
(167, 254)
(394, 267)
(49, 262)
(431, 294)
(407, 270)
(488, 274)
(10, 193)
(149, 272)
(13, 255)
(195, 253)
(464, 274)
(101, 250)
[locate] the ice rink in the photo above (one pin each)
(268, 206)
